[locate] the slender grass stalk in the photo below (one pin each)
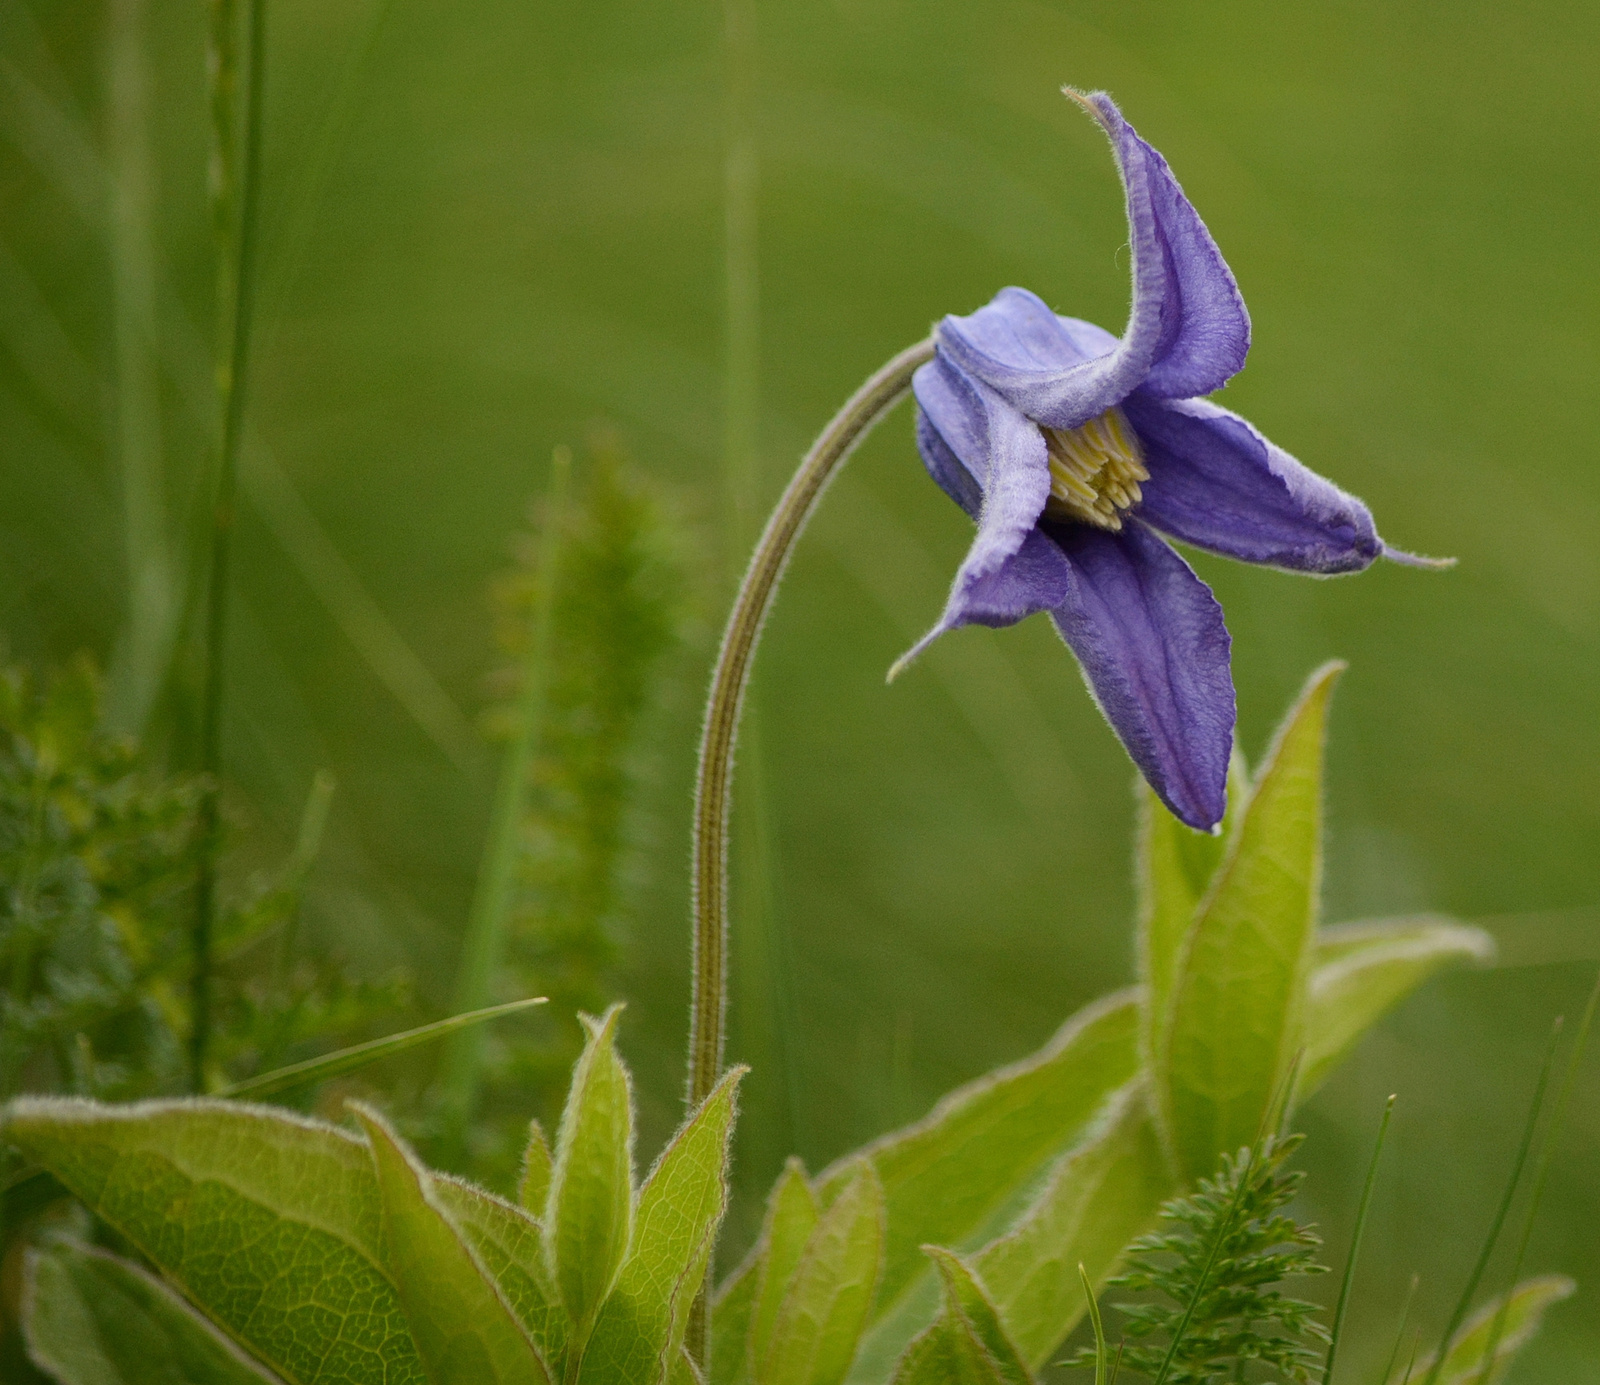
(144, 647)
(714, 777)
(237, 213)
(331, 1065)
(497, 870)
(1465, 1301)
(1355, 1243)
(1096, 1324)
(1400, 1333)
(1541, 1169)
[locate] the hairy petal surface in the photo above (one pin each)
(1150, 637)
(1217, 483)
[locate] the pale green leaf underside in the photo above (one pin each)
(588, 1216)
(508, 1243)
(463, 1328)
(825, 1307)
(1237, 1010)
(730, 1324)
(93, 1319)
(1099, 1198)
(792, 1215)
(1464, 1361)
(640, 1327)
(969, 1311)
(945, 1177)
(270, 1223)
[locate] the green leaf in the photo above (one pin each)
(967, 1303)
(465, 1331)
(730, 1323)
(684, 1371)
(1238, 1004)
(90, 1318)
(1464, 1361)
(822, 1315)
(950, 1175)
(1174, 868)
(640, 1328)
(792, 1215)
(589, 1214)
(1099, 1198)
(533, 1188)
(270, 1223)
(508, 1243)
(1364, 969)
(331, 1065)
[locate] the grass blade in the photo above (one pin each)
(359, 1055)
(1097, 1325)
(1557, 1115)
(1495, 1227)
(1400, 1333)
(1355, 1243)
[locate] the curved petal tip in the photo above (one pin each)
(1399, 555)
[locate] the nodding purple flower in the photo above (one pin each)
(1079, 454)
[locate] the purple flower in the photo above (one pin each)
(1079, 454)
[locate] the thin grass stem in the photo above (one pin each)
(1400, 1332)
(1557, 1117)
(237, 236)
(1355, 1243)
(714, 776)
(1465, 1301)
(1097, 1325)
(497, 870)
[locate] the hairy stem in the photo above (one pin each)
(714, 780)
(237, 234)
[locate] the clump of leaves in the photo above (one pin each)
(97, 859)
(595, 604)
(1216, 1266)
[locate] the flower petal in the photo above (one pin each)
(1154, 650)
(1035, 578)
(1189, 319)
(946, 468)
(1217, 483)
(1000, 449)
(1187, 332)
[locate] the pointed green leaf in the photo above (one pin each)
(1099, 1198)
(533, 1188)
(90, 1318)
(948, 1176)
(465, 1330)
(589, 1213)
(830, 1293)
(1364, 969)
(1238, 1004)
(270, 1223)
(730, 1323)
(946, 1353)
(966, 1301)
(1175, 866)
(508, 1243)
(640, 1328)
(792, 1215)
(1464, 1361)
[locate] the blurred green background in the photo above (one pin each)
(489, 225)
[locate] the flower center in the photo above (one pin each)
(1095, 471)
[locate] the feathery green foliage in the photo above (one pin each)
(1227, 1247)
(618, 609)
(97, 859)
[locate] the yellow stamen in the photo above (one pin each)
(1095, 471)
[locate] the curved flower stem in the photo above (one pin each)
(714, 781)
